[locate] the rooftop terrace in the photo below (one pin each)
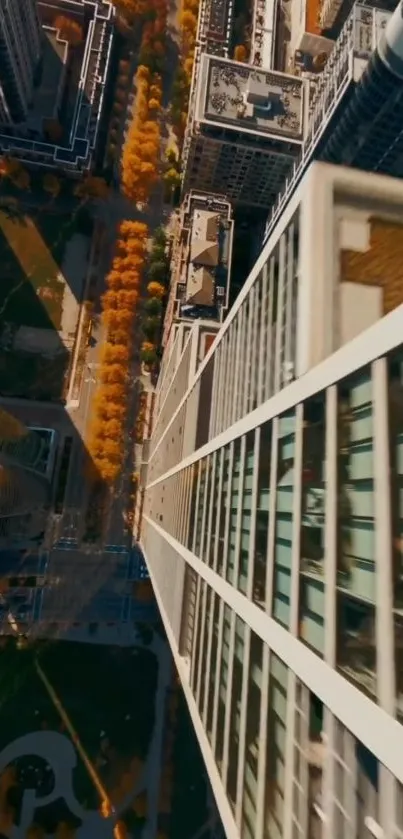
(250, 99)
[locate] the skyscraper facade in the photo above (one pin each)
(272, 525)
(20, 51)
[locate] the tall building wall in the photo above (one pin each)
(274, 547)
(20, 51)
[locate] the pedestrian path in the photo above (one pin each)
(116, 549)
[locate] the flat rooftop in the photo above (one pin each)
(250, 99)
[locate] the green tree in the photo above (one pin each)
(158, 271)
(148, 356)
(160, 238)
(153, 306)
(150, 327)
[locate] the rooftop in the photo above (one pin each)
(255, 100)
(208, 230)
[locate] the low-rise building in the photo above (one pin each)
(201, 260)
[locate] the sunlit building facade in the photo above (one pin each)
(273, 531)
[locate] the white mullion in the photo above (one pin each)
(214, 393)
(385, 660)
(288, 354)
(247, 379)
(383, 540)
(211, 505)
(272, 518)
(280, 313)
(195, 635)
(296, 521)
(238, 371)
(230, 378)
(181, 503)
(262, 337)
(202, 628)
(229, 699)
(289, 754)
(222, 397)
(263, 734)
(220, 454)
(330, 536)
(258, 338)
(242, 727)
(205, 506)
(203, 711)
(173, 515)
(253, 513)
(228, 511)
(226, 393)
(328, 775)
(217, 676)
(293, 621)
(220, 388)
(239, 511)
(193, 548)
(241, 362)
(186, 524)
(270, 359)
(351, 787)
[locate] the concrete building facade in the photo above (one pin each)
(60, 128)
(20, 52)
(272, 525)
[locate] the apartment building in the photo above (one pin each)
(56, 124)
(201, 260)
(245, 131)
(273, 537)
(20, 52)
(357, 104)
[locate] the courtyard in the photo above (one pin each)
(44, 259)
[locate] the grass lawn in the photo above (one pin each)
(108, 694)
(31, 255)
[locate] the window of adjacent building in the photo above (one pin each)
(197, 632)
(275, 750)
(204, 647)
(262, 516)
(284, 518)
(200, 503)
(312, 542)
(193, 502)
(218, 607)
(246, 511)
(395, 375)
(234, 505)
(252, 744)
(234, 709)
(216, 457)
(222, 686)
(356, 648)
(309, 760)
(224, 509)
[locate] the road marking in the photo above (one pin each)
(116, 549)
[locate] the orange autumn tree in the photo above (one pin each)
(119, 305)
